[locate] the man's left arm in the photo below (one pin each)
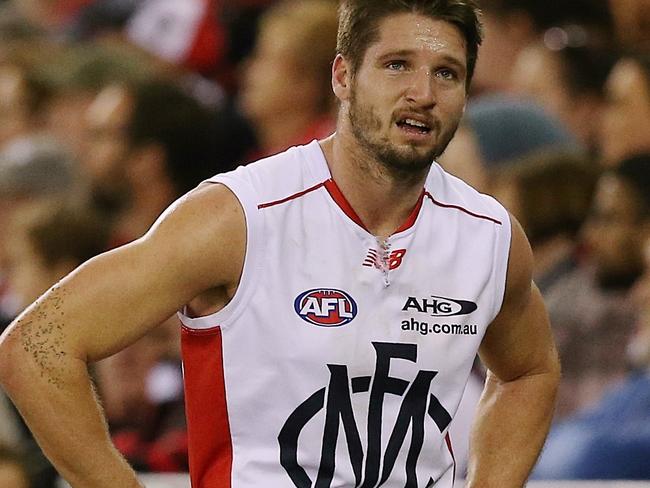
(517, 404)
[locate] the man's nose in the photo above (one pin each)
(422, 88)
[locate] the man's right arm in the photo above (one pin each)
(103, 306)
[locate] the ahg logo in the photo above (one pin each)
(336, 399)
(439, 306)
(326, 307)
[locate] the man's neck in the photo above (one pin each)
(382, 200)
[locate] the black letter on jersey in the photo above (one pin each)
(412, 412)
(339, 406)
(288, 437)
(381, 385)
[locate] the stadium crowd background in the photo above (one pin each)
(112, 109)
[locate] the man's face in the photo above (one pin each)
(106, 145)
(14, 119)
(273, 76)
(537, 73)
(613, 232)
(408, 96)
(627, 115)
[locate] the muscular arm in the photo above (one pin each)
(516, 408)
(102, 307)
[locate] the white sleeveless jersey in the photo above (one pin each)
(341, 361)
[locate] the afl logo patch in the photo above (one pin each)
(326, 307)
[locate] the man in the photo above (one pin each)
(626, 115)
(33, 170)
(511, 26)
(288, 75)
(287, 335)
(594, 327)
(611, 438)
(22, 96)
(147, 144)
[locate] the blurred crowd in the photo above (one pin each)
(112, 109)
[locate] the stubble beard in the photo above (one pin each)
(405, 160)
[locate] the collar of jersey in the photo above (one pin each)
(322, 173)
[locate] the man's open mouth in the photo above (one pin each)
(414, 125)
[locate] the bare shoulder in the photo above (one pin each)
(205, 232)
(520, 270)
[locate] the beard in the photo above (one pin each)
(406, 159)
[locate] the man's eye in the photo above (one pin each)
(396, 65)
(447, 74)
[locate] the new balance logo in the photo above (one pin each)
(384, 261)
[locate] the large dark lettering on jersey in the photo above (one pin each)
(336, 399)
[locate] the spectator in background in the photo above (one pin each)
(611, 440)
(616, 223)
(77, 75)
(13, 472)
(31, 170)
(286, 91)
(241, 19)
(550, 194)
(47, 241)
(565, 72)
(54, 17)
(512, 25)
(497, 130)
(187, 33)
(148, 143)
(589, 308)
(15, 28)
(141, 389)
(632, 18)
(626, 119)
(23, 95)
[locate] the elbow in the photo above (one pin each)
(549, 376)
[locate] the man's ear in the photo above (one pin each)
(341, 78)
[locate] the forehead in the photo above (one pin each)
(421, 34)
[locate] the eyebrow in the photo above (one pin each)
(403, 53)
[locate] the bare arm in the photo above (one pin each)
(516, 408)
(103, 306)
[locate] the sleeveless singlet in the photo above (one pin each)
(341, 360)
